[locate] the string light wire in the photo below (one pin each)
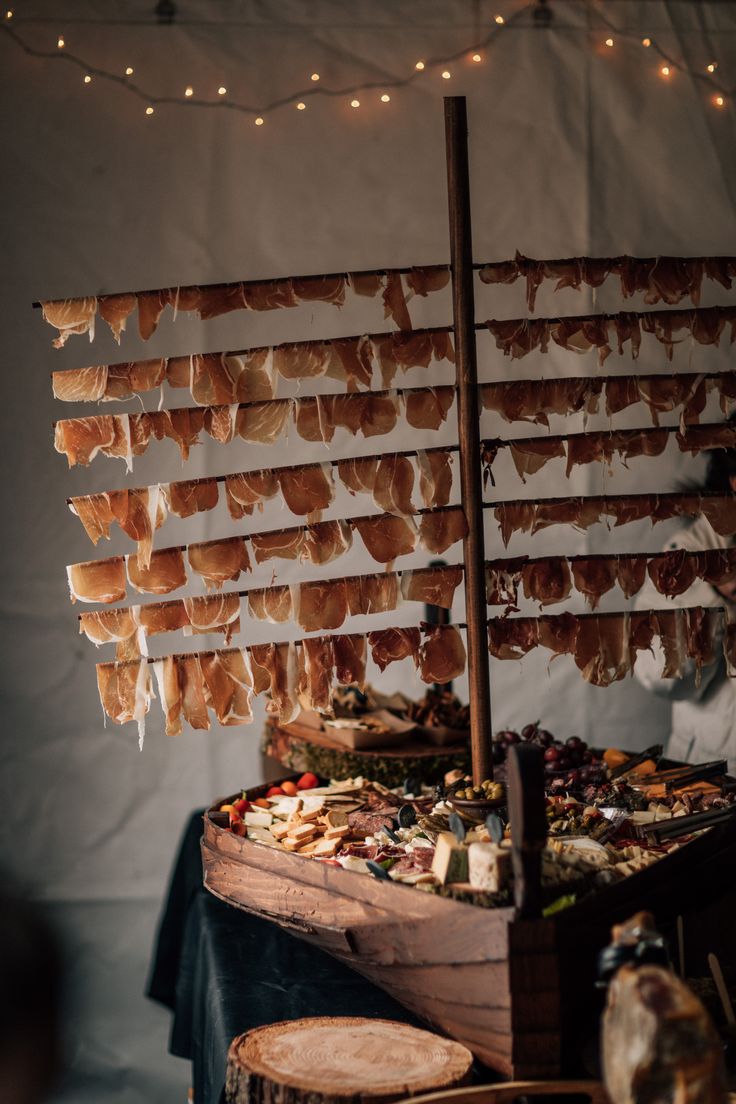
(720, 94)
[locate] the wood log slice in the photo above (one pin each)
(305, 749)
(341, 1060)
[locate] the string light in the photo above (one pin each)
(301, 106)
(385, 98)
(87, 78)
(646, 42)
(222, 90)
(609, 42)
(446, 74)
(712, 67)
(189, 91)
(500, 20)
(314, 77)
(477, 57)
(419, 65)
(355, 103)
(719, 101)
(665, 70)
(9, 14)
(259, 121)
(60, 42)
(129, 71)
(149, 111)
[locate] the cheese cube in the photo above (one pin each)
(450, 862)
(489, 866)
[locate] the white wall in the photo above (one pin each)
(574, 150)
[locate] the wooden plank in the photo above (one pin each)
(463, 307)
(527, 814)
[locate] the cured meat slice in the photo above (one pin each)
(514, 517)
(97, 580)
(95, 513)
(319, 663)
(422, 281)
(116, 310)
(441, 655)
(70, 316)
(717, 565)
(259, 665)
(301, 360)
(594, 577)
(358, 474)
(269, 295)
(125, 692)
(547, 581)
(280, 662)
(701, 629)
(394, 484)
(427, 407)
(191, 685)
(151, 306)
(161, 617)
(602, 648)
(324, 289)
(673, 572)
(366, 283)
(402, 350)
(221, 422)
(107, 626)
(245, 491)
(720, 511)
(321, 605)
(394, 301)
(169, 692)
(263, 423)
(183, 426)
(163, 574)
(270, 604)
(211, 302)
(671, 629)
(378, 413)
(440, 529)
(229, 685)
(434, 586)
(80, 384)
(351, 360)
(313, 417)
(512, 637)
(630, 574)
(387, 537)
(558, 632)
(502, 581)
(350, 653)
(213, 613)
(389, 645)
(307, 489)
(286, 544)
(324, 541)
(139, 513)
(191, 496)
(435, 476)
(530, 456)
(697, 438)
(368, 594)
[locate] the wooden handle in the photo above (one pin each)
(527, 813)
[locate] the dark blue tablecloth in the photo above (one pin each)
(222, 972)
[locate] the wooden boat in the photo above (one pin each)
(516, 991)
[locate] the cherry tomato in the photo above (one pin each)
(289, 788)
(308, 781)
(241, 805)
(261, 803)
(275, 791)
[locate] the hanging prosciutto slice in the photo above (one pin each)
(228, 685)
(319, 664)
(441, 654)
(350, 653)
(386, 537)
(389, 645)
(321, 605)
(435, 586)
(70, 316)
(97, 580)
(272, 604)
(246, 491)
(125, 692)
(164, 573)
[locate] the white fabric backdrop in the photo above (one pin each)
(575, 149)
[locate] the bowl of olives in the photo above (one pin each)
(476, 802)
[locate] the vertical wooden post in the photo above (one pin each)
(463, 305)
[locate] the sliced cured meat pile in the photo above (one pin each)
(77, 316)
(660, 279)
(531, 516)
(605, 646)
(517, 337)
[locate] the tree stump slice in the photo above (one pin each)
(341, 1060)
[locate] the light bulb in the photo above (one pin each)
(609, 42)
(719, 101)
(60, 42)
(419, 65)
(665, 70)
(259, 121)
(9, 14)
(149, 111)
(646, 42)
(499, 19)
(712, 67)
(477, 57)
(189, 91)
(129, 71)
(301, 106)
(385, 98)
(87, 78)
(446, 74)
(314, 77)
(222, 90)
(355, 103)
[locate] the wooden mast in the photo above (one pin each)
(463, 306)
